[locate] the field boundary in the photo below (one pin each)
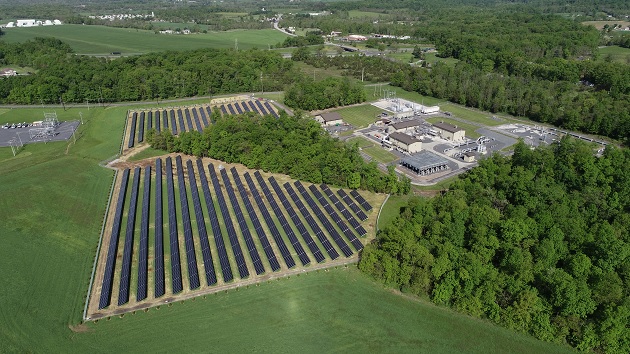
(98, 248)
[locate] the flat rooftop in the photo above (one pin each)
(424, 159)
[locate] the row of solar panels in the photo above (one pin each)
(202, 232)
(187, 118)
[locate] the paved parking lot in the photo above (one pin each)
(62, 132)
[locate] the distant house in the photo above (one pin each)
(356, 38)
(404, 126)
(328, 119)
(406, 143)
(8, 72)
(469, 157)
(449, 131)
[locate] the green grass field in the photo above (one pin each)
(469, 128)
(380, 154)
(104, 40)
(471, 114)
(618, 54)
(52, 206)
(432, 58)
(359, 116)
(361, 142)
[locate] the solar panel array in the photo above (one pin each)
(310, 243)
(191, 259)
(342, 209)
(242, 223)
(226, 269)
(187, 118)
(281, 224)
(346, 198)
(262, 236)
(159, 233)
(287, 228)
(332, 252)
(176, 271)
(211, 277)
(108, 275)
(125, 273)
(284, 250)
(336, 218)
(364, 204)
(143, 252)
(236, 246)
(322, 218)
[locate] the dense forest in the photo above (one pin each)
(70, 78)
(296, 146)
(539, 242)
(308, 94)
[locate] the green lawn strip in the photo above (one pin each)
(380, 154)
(318, 73)
(376, 92)
(441, 185)
(359, 116)
(469, 128)
(471, 114)
(392, 209)
(361, 142)
(146, 153)
(105, 40)
(618, 54)
(432, 59)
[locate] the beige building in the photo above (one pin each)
(404, 127)
(406, 143)
(469, 157)
(328, 119)
(449, 131)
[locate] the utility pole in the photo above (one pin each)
(88, 103)
(262, 88)
(362, 72)
(81, 115)
(236, 44)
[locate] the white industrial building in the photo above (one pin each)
(406, 143)
(449, 131)
(32, 23)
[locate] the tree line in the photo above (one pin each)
(539, 243)
(292, 145)
(308, 94)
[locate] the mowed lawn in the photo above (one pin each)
(52, 205)
(360, 116)
(105, 40)
(471, 114)
(618, 54)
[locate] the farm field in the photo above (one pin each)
(105, 40)
(49, 262)
(359, 116)
(600, 24)
(471, 114)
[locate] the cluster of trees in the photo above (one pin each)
(308, 94)
(539, 243)
(296, 146)
(143, 77)
(301, 41)
(373, 69)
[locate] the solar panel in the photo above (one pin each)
(191, 127)
(324, 220)
(165, 119)
(275, 233)
(346, 198)
(180, 119)
(364, 204)
(204, 118)
(332, 253)
(249, 242)
(143, 252)
(125, 272)
(261, 109)
(209, 110)
(223, 110)
(191, 259)
(252, 106)
(149, 120)
(196, 119)
(157, 121)
(108, 275)
(287, 228)
(132, 130)
(159, 236)
(173, 122)
(211, 277)
(270, 109)
(231, 109)
(319, 257)
(176, 271)
(336, 218)
(236, 247)
(245, 107)
(262, 236)
(226, 270)
(238, 108)
(141, 128)
(342, 209)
